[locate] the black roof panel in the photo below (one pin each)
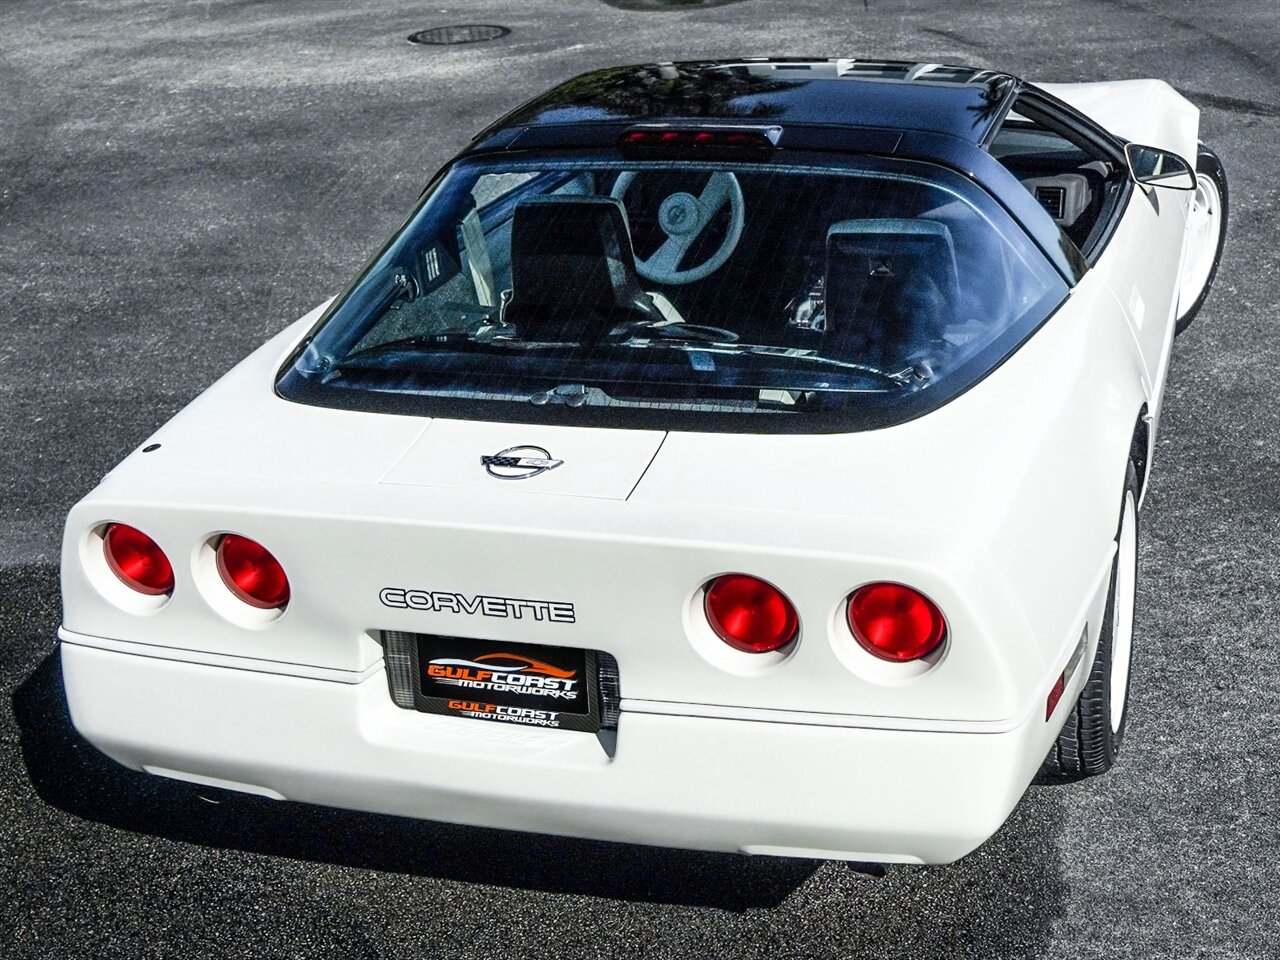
(960, 102)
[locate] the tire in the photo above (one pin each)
(1208, 213)
(1094, 729)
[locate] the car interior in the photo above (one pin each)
(573, 273)
(894, 275)
(1069, 179)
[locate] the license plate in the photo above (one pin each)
(521, 684)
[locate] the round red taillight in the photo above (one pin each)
(137, 560)
(749, 614)
(895, 622)
(251, 572)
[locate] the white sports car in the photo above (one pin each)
(729, 455)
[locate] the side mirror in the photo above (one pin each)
(1159, 168)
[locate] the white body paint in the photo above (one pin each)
(1002, 506)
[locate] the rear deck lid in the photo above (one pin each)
(528, 458)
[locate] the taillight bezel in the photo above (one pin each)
(219, 597)
(715, 651)
(105, 577)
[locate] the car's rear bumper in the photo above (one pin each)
(692, 782)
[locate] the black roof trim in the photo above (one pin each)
(919, 111)
(962, 102)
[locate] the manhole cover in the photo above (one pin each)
(665, 4)
(462, 33)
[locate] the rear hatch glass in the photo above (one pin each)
(695, 295)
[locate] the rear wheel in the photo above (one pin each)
(1206, 234)
(1092, 733)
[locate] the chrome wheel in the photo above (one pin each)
(1204, 230)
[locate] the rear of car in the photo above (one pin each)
(367, 689)
(696, 499)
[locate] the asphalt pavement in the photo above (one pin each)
(178, 181)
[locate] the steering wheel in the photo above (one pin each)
(683, 217)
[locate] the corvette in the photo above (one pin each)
(730, 455)
(485, 606)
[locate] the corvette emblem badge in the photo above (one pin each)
(519, 463)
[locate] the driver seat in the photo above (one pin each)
(573, 270)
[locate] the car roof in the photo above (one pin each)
(914, 111)
(956, 101)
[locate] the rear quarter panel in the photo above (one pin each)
(1010, 494)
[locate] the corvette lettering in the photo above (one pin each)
(439, 601)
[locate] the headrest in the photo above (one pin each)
(572, 268)
(890, 281)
